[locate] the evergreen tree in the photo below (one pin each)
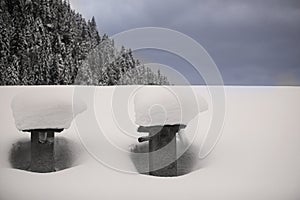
(45, 42)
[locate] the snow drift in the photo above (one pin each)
(257, 156)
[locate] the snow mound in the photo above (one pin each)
(45, 108)
(163, 105)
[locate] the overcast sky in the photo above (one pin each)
(253, 42)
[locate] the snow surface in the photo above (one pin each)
(45, 108)
(257, 157)
(167, 105)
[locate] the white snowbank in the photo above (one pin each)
(167, 105)
(257, 156)
(42, 108)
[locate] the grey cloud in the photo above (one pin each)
(250, 40)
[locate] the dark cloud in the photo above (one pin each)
(252, 41)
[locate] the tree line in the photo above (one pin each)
(46, 42)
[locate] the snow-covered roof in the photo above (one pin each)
(156, 105)
(45, 108)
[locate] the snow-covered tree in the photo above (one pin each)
(45, 42)
(29, 41)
